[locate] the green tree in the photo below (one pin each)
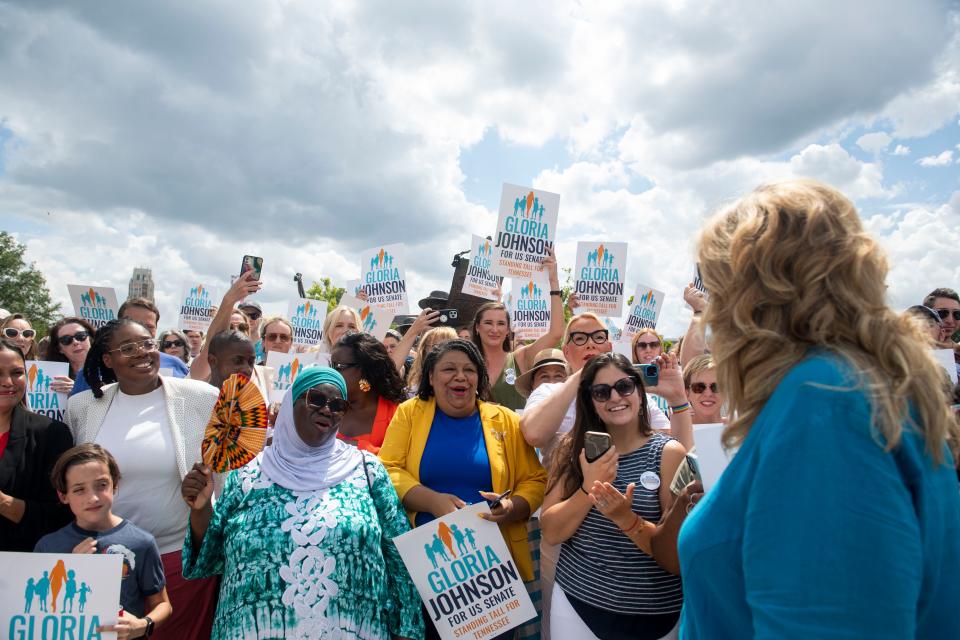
(23, 289)
(324, 290)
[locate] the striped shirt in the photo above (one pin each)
(601, 566)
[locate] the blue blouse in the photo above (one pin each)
(455, 460)
(814, 531)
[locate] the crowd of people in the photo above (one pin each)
(838, 515)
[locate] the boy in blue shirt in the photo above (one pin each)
(86, 478)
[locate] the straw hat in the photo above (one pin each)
(545, 358)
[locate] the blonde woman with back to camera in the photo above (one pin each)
(839, 516)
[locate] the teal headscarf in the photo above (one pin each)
(314, 375)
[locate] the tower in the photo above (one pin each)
(141, 284)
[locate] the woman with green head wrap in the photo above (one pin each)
(307, 528)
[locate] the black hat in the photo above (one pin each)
(404, 323)
(436, 300)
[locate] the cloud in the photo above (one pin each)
(833, 164)
(874, 142)
(901, 150)
(940, 160)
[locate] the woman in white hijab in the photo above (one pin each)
(302, 534)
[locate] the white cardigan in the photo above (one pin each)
(189, 406)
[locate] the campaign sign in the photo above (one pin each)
(375, 321)
(644, 311)
(307, 316)
(526, 229)
(40, 398)
(196, 308)
(286, 367)
(531, 309)
(712, 458)
(96, 305)
(599, 277)
(383, 277)
(480, 281)
(465, 575)
(59, 595)
(698, 281)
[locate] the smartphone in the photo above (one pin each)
(447, 317)
(595, 444)
(650, 374)
(252, 263)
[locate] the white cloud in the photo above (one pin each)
(874, 142)
(832, 163)
(939, 160)
(901, 150)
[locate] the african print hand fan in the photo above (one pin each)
(238, 427)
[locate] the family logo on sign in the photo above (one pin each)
(644, 312)
(368, 319)
(40, 398)
(96, 305)
(69, 621)
(531, 305)
(306, 317)
(526, 228)
(286, 374)
(383, 278)
(480, 281)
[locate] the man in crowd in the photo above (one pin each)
(946, 302)
(195, 340)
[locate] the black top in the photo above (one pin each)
(33, 447)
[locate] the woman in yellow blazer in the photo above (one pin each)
(447, 448)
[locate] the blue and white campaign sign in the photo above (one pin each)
(96, 305)
(196, 307)
(530, 315)
(526, 230)
(59, 595)
(480, 281)
(465, 575)
(644, 311)
(600, 277)
(307, 316)
(40, 397)
(383, 277)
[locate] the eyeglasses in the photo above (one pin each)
(580, 338)
(132, 349)
(242, 326)
(624, 387)
(343, 366)
(79, 336)
(173, 343)
(253, 315)
(943, 313)
(276, 337)
(12, 332)
(317, 401)
(700, 387)
(649, 345)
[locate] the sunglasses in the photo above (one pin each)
(580, 338)
(943, 313)
(173, 343)
(253, 315)
(700, 387)
(79, 336)
(343, 366)
(624, 387)
(649, 345)
(276, 337)
(317, 401)
(132, 349)
(12, 332)
(243, 326)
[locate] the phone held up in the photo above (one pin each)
(650, 374)
(595, 444)
(447, 317)
(252, 263)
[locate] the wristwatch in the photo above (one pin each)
(150, 625)
(556, 292)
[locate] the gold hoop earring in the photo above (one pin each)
(364, 385)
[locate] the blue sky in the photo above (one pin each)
(307, 132)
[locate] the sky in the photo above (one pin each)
(182, 135)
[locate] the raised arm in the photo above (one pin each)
(546, 411)
(423, 322)
(694, 341)
(240, 289)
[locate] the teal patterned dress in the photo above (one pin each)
(308, 564)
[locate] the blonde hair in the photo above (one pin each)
(699, 364)
(428, 341)
(636, 339)
(586, 315)
(332, 318)
(789, 268)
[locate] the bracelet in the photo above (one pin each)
(633, 526)
(585, 492)
(556, 292)
(680, 408)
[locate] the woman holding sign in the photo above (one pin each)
(302, 535)
(448, 447)
(492, 335)
(70, 340)
(839, 515)
(29, 446)
(608, 585)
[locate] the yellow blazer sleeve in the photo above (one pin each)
(395, 452)
(530, 477)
